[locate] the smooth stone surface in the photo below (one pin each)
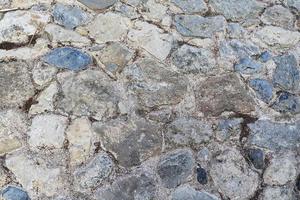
(14, 193)
(287, 103)
(98, 4)
(68, 58)
(263, 89)
(257, 157)
(248, 66)
(189, 193)
(175, 167)
(197, 26)
(69, 16)
(192, 6)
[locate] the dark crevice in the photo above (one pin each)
(12, 45)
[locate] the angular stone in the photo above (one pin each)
(278, 193)
(14, 193)
(175, 167)
(98, 5)
(192, 6)
(79, 135)
(286, 74)
(141, 139)
(152, 39)
(274, 136)
(47, 131)
(188, 131)
(140, 187)
(263, 89)
(294, 4)
(108, 27)
(228, 128)
(69, 16)
(88, 93)
(247, 65)
(93, 173)
(257, 157)
(236, 10)
(68, 58)
(189, 193)
(15, 84)
(154, 84)
(232, 175)
(287, 103)
(281, 170)
(189, 59)
(218, 94)
(278, 15)
(197, 26)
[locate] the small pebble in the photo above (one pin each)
(14, 193)
(257, 158)
(201, 176)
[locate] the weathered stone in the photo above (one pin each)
(247, 65)
(228, 128)
(287, 103)
(278, 16)
(138, 187)
(235, 30)
(141, 139)
(152, 39)
(154, 10)
(222, 93)
(189, 59)
(15, 84)
(14, 193)
(43, 74)
(88, 93)
(274, 136)
(47, 131)
(286, 75)
(263, 89)
(232, 175)
(154, 84)
(278, 193)
(189, 193)
(282, 169)
(69, 16)
(192, 6)
(265, 56)
(257, 157)
(98, 5)
(197, 26)
(108, 27)
(294, 4)
(94, 173)
(236, 10)
(79, 135)
(68, 58)
(175, 167)
(188, 131)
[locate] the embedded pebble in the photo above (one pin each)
(14, 193)
(263, 89)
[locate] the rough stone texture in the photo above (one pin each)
(192, 6)
(98, 5)
(263, 89)
(287, 103)
(187, 192)
(224, 93)
(278, 193)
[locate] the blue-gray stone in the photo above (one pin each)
(191, 6)
(286, 75)
(263, 89)
(265, 56)
(235, 30)
(287, 103)
(238, 49)
(14, 193)
(69, 16)
(201, 175)
(98, 4)
(247, 66)
(197, 26)
(68, 58)
(257, 157)
(294, 4)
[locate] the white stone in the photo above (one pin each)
(79, 135)
(60, 35)
(47, 131)
(155, 11)
(108, 27)
(43, 74)
(152, 39)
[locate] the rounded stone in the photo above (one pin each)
(14, 193)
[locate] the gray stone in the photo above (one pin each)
(287, 103)
(235, 30)
(189, 193)
(189, 59)
(68, 58)
(236, 10)
(278, 16)
(197, 26)
(263, 89)
(248, 66)
(14, 193)
(189, 132)
(134, 187)
(274, 136)
(175, 167)
(294, 4)
(16, 86)
(93, 173)
(192, 6)
(69, 16)
(154, 84)
(98, 4)
(228, 128)
(218, 94)
(257, 157)
(141, 139)
(278, 193)
(286, 75)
